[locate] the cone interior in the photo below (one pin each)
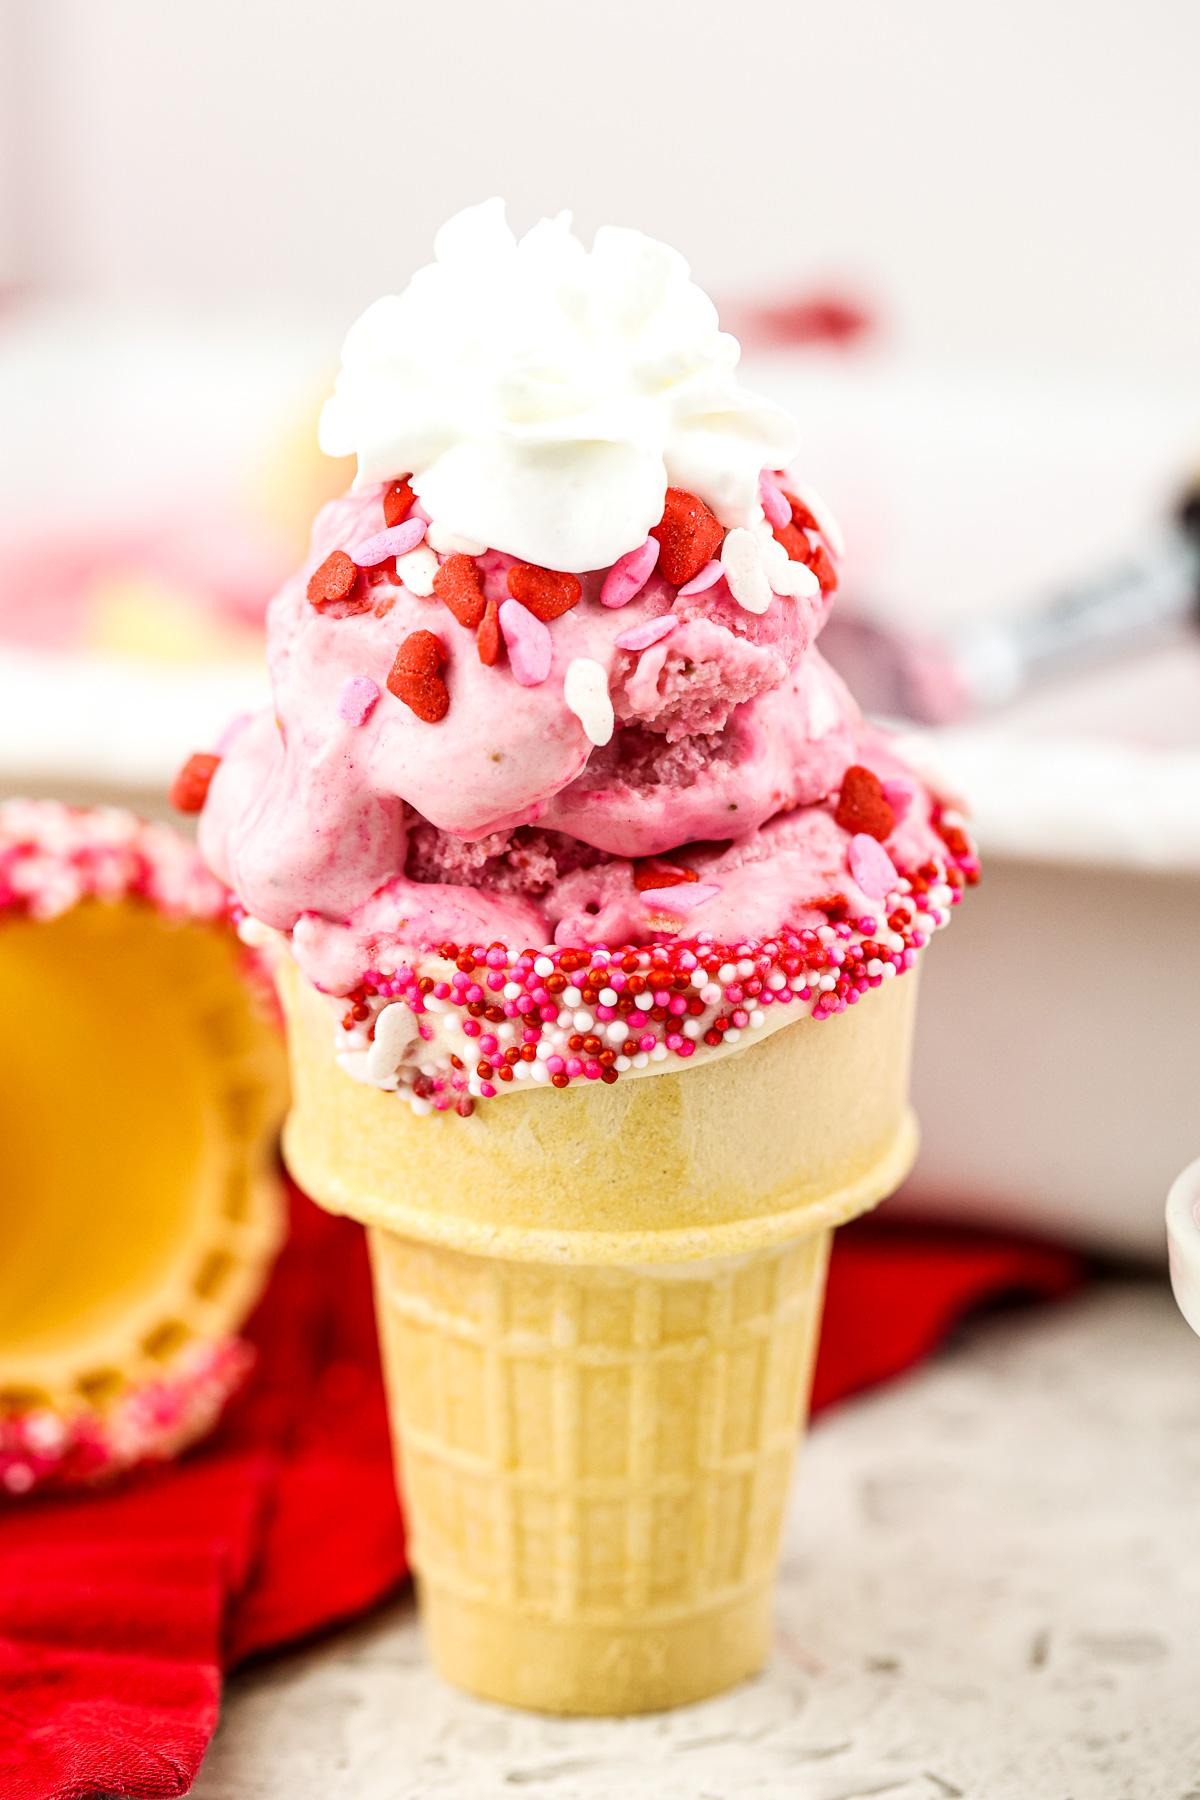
(138, 1094)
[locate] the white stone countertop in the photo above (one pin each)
(990, 1591)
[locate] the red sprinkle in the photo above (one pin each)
(688, 534)
(189, 790)
(861, 804)
(800, 513)
(397, 502)
(488, 636)
(795, 542)
(334, 581)
(546, 593)
(655, 872)
(414, 677)
(459, 586)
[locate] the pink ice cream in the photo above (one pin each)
(557, 785)
(503, 821)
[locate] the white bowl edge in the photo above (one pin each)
(1183, 1242)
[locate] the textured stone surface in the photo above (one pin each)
(991, 1589)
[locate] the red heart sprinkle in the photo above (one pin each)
(794, 542)
(459, 586)
(426, 695)
(800, 513)
(488, 636)
(546, 593)
(333, 581)
(689, 535)
(836, 908)
(821, 564)
(421, 653)
(655, 872)
(189, 790)
(861, 804)
(397, 502)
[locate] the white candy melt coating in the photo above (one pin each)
(543, 397)
(395, 1033)
(417, 570)
(585, 690)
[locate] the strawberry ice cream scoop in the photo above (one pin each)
(549, 678)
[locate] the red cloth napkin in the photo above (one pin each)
(119, 1610)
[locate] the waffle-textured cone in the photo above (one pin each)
(598, 1309)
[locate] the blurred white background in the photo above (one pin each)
(1013, 183)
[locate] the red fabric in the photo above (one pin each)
(119, 1610)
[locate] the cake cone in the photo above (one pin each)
(598, 1310)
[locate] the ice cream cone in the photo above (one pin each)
(141, 1088)
(598, 1310)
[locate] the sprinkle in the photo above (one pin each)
(546, 593)
(397, 540)
(530, 649)
(333, 583)
(487, 638)
(629, 575)
(684, 898)
(871, 866)
(640, 637)
(775, 506)
(744, 571)
(657, 872)
(414, 677)
(189, 790)
(459, 585)
(397, 502)
(416, 571)
(689, 534)
(708, 577)
(358, 697)
(794, 579)
(585, 690)
(863, 807)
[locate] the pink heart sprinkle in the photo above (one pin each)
(682, 899)
(640, 637)
(398, 540)
(708, 577)
(777, 509)
(528, 641)
(629, 574)
(358, 697)
(871, 866)
(899, 796)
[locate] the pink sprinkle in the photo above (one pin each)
(397, 540)
(496, 959)
(778, 512)
(684, 898)
(358, 697)
(871, 866)
(574, 1066)
(471, 1028)
(640, 637)
(708, 577)
(488, 1044)
(899, 796)
(630, 573)
(648, 1041)
(686, 1048)
(487, 1090)
(529, 645)
(555, 1064)
(592, 1070)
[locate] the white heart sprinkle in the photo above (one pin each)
(744, 570)
(417, 570)
(585, 690)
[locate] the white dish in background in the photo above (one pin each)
(1183, 1241)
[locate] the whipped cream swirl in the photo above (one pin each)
(544, 397)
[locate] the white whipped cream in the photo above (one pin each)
(543, 398)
